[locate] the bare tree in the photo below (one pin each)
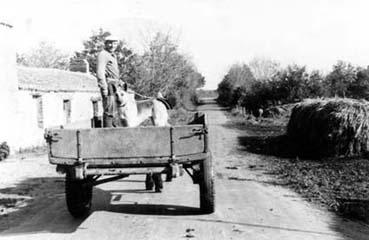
(263, 69)
(163, 67)
(44, 56)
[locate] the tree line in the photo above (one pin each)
(263, 83)
(160, 68)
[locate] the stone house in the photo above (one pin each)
(32, 99)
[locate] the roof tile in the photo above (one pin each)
(48, 79)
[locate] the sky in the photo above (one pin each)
(214, 33)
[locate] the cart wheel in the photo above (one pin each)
(78, 196)
(206, 185)
(149, 182)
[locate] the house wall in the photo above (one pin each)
(20, 118)
(28, 134)
(8, 88)
(81, 108)
(53, 114)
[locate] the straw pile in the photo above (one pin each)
(330, 127)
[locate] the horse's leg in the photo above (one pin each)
(158, 182)
(149, 183)
(153, 121)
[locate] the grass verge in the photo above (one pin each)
(339, 184)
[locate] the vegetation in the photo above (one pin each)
(318, 155)
(4, 151)
(234, 84)
(340, 184)
(161, 67)
(45, 55)
(273, 85)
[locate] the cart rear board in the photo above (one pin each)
(86, 154)
(126, 143)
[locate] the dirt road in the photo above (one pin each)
(247, 205)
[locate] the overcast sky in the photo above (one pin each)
(216, 34)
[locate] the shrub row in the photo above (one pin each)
(292, 84)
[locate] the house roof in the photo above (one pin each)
(47, 79)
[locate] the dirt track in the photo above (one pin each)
(247, 205)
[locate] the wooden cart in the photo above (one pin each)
(85, 155)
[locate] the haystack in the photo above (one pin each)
(330, 127)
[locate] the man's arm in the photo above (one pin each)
(100, 71)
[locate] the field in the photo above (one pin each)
(338, 184)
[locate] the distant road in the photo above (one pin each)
(207, 100)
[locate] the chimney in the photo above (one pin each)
(79, 64)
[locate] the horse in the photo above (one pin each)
(132, 113)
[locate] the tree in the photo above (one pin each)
(162, 65)
(359, 87)
(44, 56)
(239, 76)
(263, 69)
(292, 84)
(225, 91)
(128, 61)
(92, 47)
(316, 85)
(164, 69)
(342, 75)
(160, 68)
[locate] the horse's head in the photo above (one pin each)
(125, 103)
(122, 94)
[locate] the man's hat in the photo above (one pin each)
(111, 38)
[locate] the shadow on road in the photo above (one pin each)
(152, 209)
(37, 205)
(111, 201)
(350, 229)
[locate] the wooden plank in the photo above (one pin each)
(115, 171)
(64, 143)
(125, 142)
(127, 162)
(188, 140)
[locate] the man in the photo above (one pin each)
(107, 75)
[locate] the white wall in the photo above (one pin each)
(81, 108)
(53, 114)
(18, 119)
(8, 90)
(28, 134)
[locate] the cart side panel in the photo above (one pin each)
(64, 143)
(188, 140)
(125, 142)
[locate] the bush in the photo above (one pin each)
(4, 151)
